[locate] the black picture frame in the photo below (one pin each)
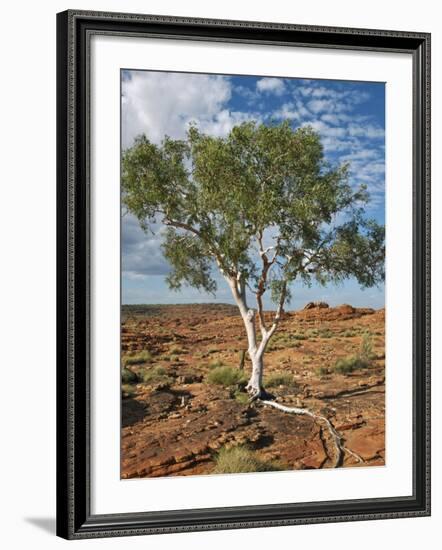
(74, 518)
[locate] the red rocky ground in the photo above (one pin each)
(175, 424)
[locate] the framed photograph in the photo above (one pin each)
(243, 274)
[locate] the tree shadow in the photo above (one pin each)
(132, 411)
(265, 440)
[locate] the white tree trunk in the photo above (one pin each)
(256, 353)
(254, 386)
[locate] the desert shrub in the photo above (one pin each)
(155, 375)
(348, 333)
(275, 346)
(241, 459)
(176, 350)
(225, 376)
(128, 377)
(366, 351)
(278, 379)
(241, 397)
(281, 341)
(216, 364)
(361, 360)
(345, 365)
(137, 359)
(325, 333)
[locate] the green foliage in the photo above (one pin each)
(360, 361)
(325, 333)
(216, 364)
(366, 351)
(282, 341)
(298, 336)
(137, 359)
(241, 397)
(128, 377)
(349, 333)
(241, 459)
(346, 365)
(278, 379)
(219, 196)
(177, 350)
(225, 376)
(155, 375)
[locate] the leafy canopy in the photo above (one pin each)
(261, 203)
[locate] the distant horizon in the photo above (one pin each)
(235, 306)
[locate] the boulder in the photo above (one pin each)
(316, 305)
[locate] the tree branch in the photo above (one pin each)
(279, 311)
(215, 253)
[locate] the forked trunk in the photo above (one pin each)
(256, 352)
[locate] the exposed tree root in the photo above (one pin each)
(258, 393)
(335, 436)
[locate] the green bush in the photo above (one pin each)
(345, 365)
(241, 397)
(155, 375)
(177, 350)
(128, 377)
(225, 376)
(240, 459)
(325, 333)
(216, 364)
(278, 379)
(360, 361)
(366, 351)
(137, 359)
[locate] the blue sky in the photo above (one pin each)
(350, 117)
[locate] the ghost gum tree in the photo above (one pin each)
(262, 206)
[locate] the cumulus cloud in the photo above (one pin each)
(159, 103)
(271, 85)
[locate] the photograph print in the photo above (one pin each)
(252, 274)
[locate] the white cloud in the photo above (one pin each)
(366, 130)
(326, 105)
(287, 112)
(335, 118)
(271, 85)
(221, 123)
(157, 103)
